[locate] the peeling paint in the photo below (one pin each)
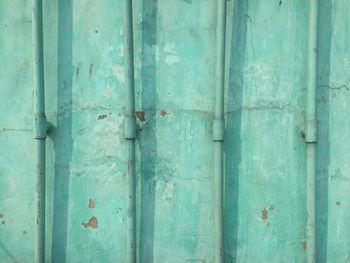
(91, 203)
(93, 223)
(304, 244)
(264, 214)
(171, 59)
(102, 117)
(140, 115)
(163, 113)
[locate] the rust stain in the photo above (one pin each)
(102, 117)
(264, 213)
(304, 244)
(24, 232)
(91, 203)
(93, 223)
(1, 215)
(140, 115)
(163, 113)
(272, 207)
(338, 203)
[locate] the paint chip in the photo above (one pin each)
(140, 115)
(93, 223)
(264, 213)
(171, 59)
(91, 203)
(304, 244)
(163, 113)
(102, 117)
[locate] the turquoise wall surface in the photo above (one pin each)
(175, 57)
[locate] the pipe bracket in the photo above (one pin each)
(42, 127)
(311, 131)
(218, 130)
(130, 128)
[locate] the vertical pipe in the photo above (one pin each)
(130, 132)
(218, 129)
(311, 131)
(41, 128)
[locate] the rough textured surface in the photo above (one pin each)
(265, 211)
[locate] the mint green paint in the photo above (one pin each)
(130, 129)
(40, 128)
(175, 45)
(219, 129)
(311, 132)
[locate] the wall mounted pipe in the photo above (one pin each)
(130, 131)
(311, 131)
(219, 128)
(41, 129)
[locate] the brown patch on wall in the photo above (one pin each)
(93, 223)
(163, 113)
(140, 115)
(102, 117)
(91, 203)
(1, 215)
(304, 244)
(264, 213)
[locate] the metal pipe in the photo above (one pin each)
(311, 131)
(41, 129)
(219, 128)
(130, 132)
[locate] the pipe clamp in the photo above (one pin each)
(41, 126)
(130, 128)
(219, 130)
(311, 131)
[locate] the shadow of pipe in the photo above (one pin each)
(147, 137)
(324, 49)
(62, 135)
(232, 147)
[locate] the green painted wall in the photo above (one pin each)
(265, 157)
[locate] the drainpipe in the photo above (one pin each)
(219, 129)
(130, 131)
(311, 131)
(41, 129)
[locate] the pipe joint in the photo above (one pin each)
(311, 131)
(218, 130)
(42, 127)
(130, 128)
